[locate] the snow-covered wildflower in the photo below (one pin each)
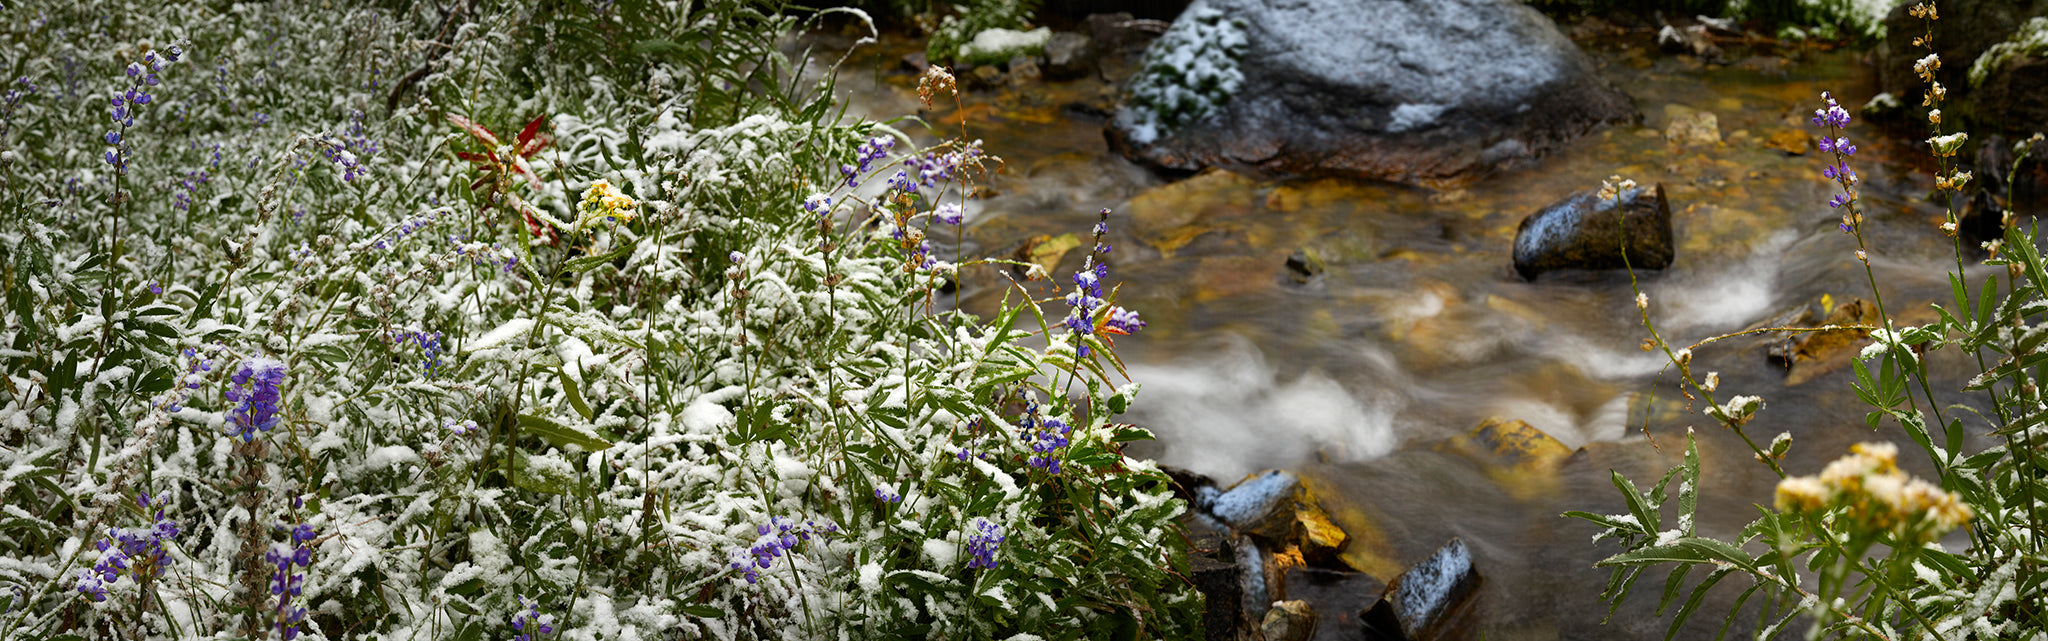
(531, 622)
(138, 552)
(887, 493)
(286, 583)
(983, 537)
(431, 346)
(603, 202)
(949, 213)
(1875, 496)
(256, 398)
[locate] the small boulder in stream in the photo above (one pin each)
(1289, 621)
(1424, 603)
(1586, 231)
(1435, 94)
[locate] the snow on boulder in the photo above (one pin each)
(1434, 94)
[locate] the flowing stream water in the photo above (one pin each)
(1418, 328)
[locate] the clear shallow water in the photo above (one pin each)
(1419, 328)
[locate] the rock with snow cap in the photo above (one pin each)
(1435, 94)
(1425, 602)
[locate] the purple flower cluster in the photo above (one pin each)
(137, 552)
(983, 536)
(462, 428)
(887, 493)
(531, 616)
(775, 538)
(864, 158)
(1087, 299)
(818, 204)
(256, 398)
(949, 213)
(10, 99)
(934, 168)
(124, 107)
(431, 347)
(1832, 116)
(407, 228)
(189, 187)
(1045, 435)
(196, 367)
(284, 583)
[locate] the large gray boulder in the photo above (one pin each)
(1431, 93)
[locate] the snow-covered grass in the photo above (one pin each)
(560, 345)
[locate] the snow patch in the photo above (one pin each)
(1413, 116)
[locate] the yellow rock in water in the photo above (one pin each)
(1366, 547)
(1521, 458)
(1048, 250)
(1161, 215)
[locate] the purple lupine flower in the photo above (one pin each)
(887, 493)
(902, 182)
(530, 621)
(430, 345)
(1124, 321)
(1045, 435)
(138, 552)
(1834, 118)
(256, 397)
(950, 213)
(818, 204)
(983, 536)
(285, 583)
(776, 538)
(463, 428)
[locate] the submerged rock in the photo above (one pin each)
(1807, 355)
(1304, 265)
(1585, 231)
(1435, 94)
(1289, 621)
(1691, 128)
(1516, 455)
(1424, 603)
(1068, 55)
(1794, 142)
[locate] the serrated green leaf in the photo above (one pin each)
(1646, 515)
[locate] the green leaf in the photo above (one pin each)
(1672, 584)
(1646, 514)
(703, 611)
(586, 263)
(575, 396)
(1737, 608)
(1130, 433)
(1692, 603)
(563, 435)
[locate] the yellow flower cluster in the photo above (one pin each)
(1876, 496)
(602, 201)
